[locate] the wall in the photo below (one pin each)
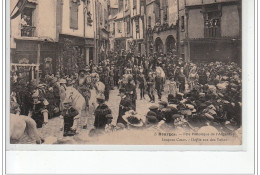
(230, 21)
(89, 30)
(66, 20)
(173, 11)
(45, 19)
(122, 33)
(150, 11)
(195, 24)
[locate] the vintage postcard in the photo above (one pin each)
(125, 72)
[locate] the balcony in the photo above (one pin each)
(28, 31)
(212, 32)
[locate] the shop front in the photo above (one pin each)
(34, 58)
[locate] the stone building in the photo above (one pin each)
(162, 18)
(210, 30)
(50, 36)
(127, 26)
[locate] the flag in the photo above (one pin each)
(18, 8)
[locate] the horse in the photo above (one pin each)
(20, 125)
(159, 72)
(77, 102)
(99, 89)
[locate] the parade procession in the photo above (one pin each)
(85, 70)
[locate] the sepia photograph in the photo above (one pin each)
(125, 72)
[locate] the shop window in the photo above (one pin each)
(27, 28)
(182, 24)
(74, 14)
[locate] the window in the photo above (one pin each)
(119, 26)
(134, 4)
(100, 12)
(27, 28)
(126, 4)
(165, 10)
(128, 25)
(212, 18)
(114, 28)
(121, 5)
(182, 24)
(74, 14)
(149, 21)
(137, 25)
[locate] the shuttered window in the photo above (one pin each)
(134, 4)
(74, 9)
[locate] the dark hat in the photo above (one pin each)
(133, 120)
(179, 95)
(109, 116)
(152, 119)
(173, 109)
(164, 103)
(153, 107)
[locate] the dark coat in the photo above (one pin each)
(68, 115)
(124, 106)
(100, 116)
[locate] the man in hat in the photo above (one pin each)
(150, 87)
(154, 112)
(68, 114)
(158, 85)
(142, 83)
(131, 91)
(124, 106)
(101, 112)
(39, 109)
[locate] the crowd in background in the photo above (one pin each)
(197, 93)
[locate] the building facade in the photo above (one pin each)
(210, 30)
(50, 36)
(33, 39)
(148, 26)
(162, 19)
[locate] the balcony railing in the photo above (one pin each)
(28, 31)
(212, 32)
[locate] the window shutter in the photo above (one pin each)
(74, 14)
(134, 4)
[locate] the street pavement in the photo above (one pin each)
(52, 129)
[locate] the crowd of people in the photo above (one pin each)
(198, 94)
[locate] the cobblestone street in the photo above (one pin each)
(52, 129)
